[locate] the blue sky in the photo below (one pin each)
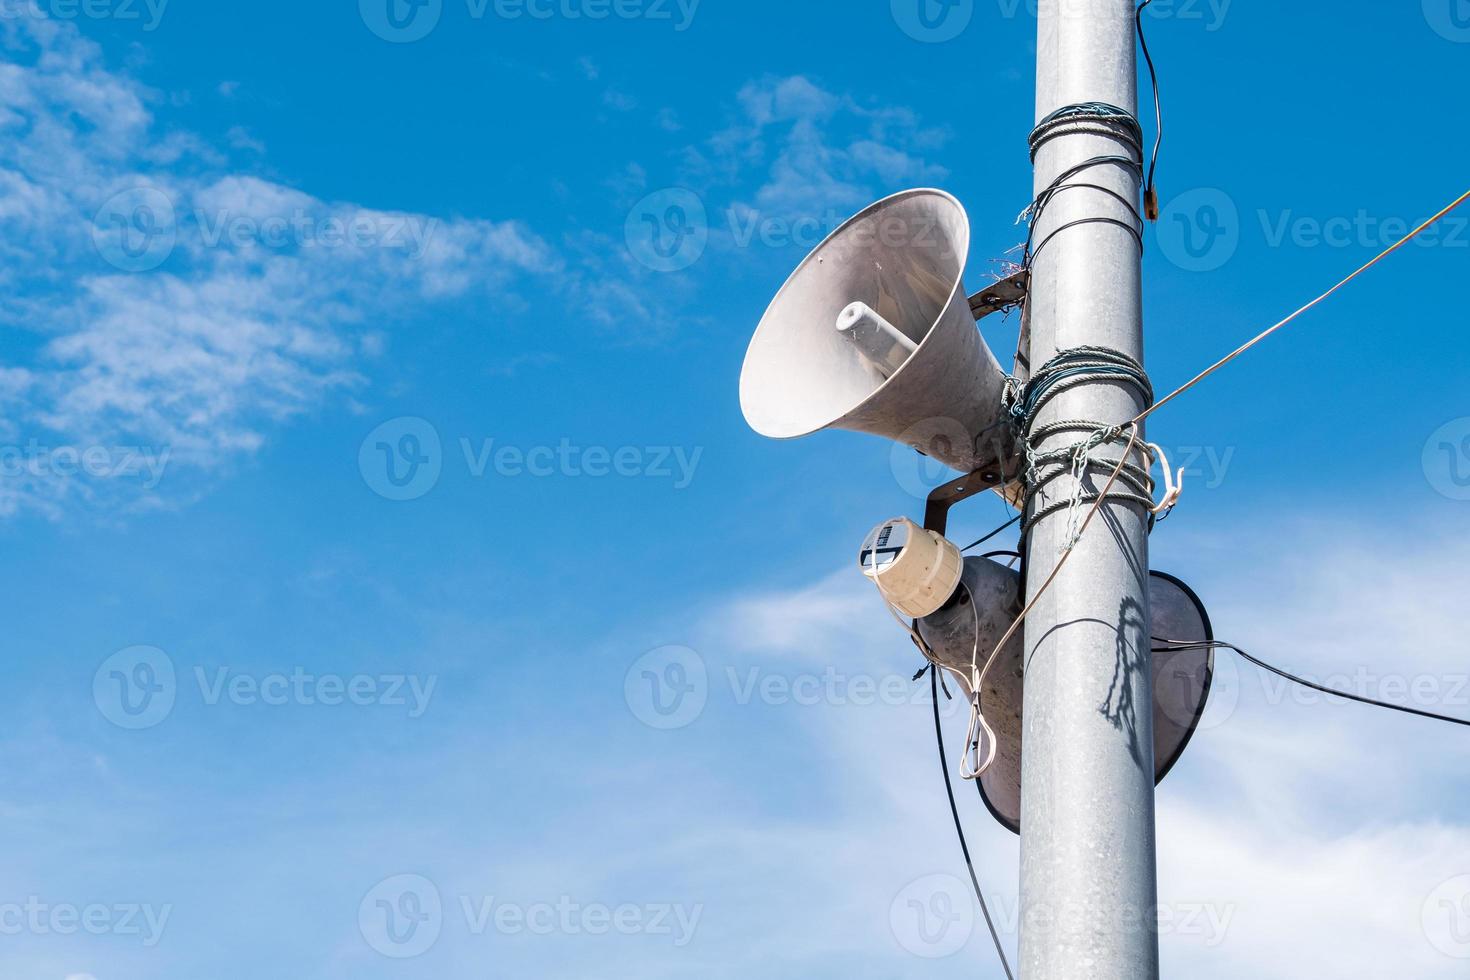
(261, 680)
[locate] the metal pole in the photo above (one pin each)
(1088, 881)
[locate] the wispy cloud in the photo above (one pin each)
(1306, 827)
(811, 150)
(161, 299)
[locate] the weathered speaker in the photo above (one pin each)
(992, 594)
(874, 333)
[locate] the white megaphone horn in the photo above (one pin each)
(874, 333)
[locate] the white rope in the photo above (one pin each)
(977, 722)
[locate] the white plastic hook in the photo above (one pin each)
(1173, 482)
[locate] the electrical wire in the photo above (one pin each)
(1151, 194)
(959, 827)
(1178, 646)
(1008, 524)
(1314, 303)
(1033, 213)
(978, 675)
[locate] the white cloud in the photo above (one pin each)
(1311, 832)
(201, 307)
(814, 150)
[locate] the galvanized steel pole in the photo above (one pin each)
(1088, 881)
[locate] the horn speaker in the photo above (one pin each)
(992, 594)
(874, 333)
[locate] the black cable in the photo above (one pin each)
(1175, 647)
(1034, 212)
(1010, 523)
(1150, 194)
(1093, 118)
(959, 828)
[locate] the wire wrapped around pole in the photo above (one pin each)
(1131, 483)
(1095, 118)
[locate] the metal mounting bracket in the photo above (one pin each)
(1000, 295)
